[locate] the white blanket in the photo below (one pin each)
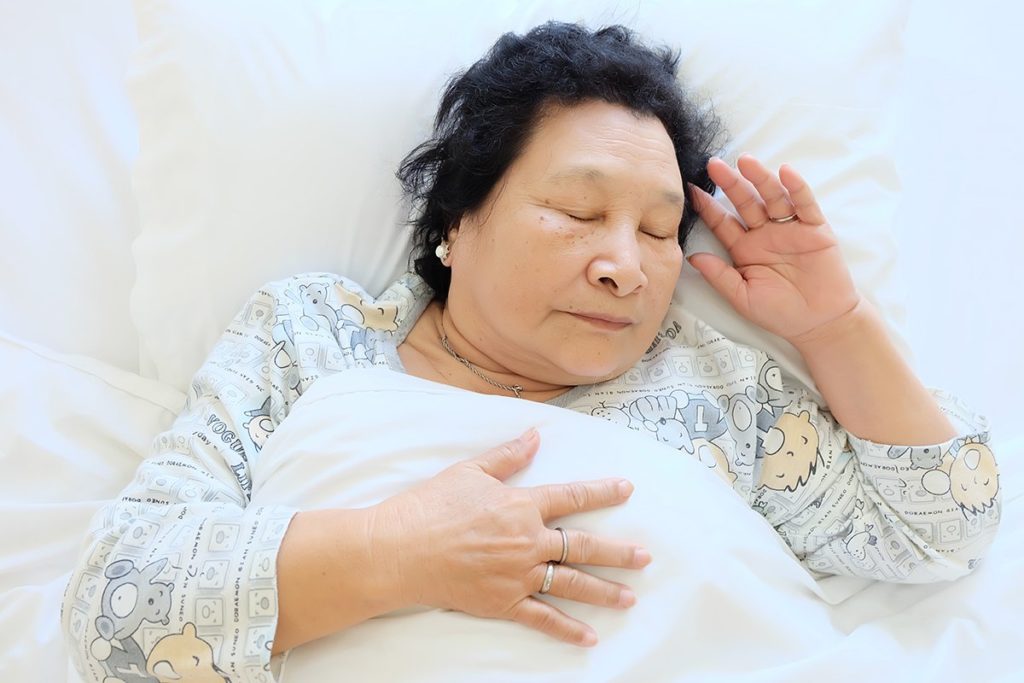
(731, 601)
(723, 596)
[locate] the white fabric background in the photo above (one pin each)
(67, 213)
(960, 224)
(69, 439)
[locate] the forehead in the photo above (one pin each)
(595, 141)
(598, 128)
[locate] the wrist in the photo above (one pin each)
(389, 553)
(859, 320)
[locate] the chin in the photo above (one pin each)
(593, 373)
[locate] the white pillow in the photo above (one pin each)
(723, 593)
(270, 134)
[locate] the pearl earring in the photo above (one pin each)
(443, 251)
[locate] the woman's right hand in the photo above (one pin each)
(464, 540)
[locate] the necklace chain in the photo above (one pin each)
(514, 388)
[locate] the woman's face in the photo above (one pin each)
(567, 271)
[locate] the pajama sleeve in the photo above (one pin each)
(845, 505)
(178, 580)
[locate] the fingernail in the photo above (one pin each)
(590, 638)
(641, 556)
(625, 488)
(529, 435)
(627, 599)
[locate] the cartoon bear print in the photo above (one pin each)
(132, 597)
(921, 457)
(184, 657)
(790, 452)
(316, 312)
(260, 427)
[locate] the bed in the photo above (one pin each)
(161, 160)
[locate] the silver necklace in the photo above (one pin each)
(514, 388)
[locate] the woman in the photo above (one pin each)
(565, 173)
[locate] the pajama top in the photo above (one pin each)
(181, 564)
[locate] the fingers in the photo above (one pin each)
(510, 457)
(741, 192)
(773, 194)
(801, 195)
(586, 548)
(722, 223)
(559, 500)
(723, 278)
(539, 615)
(571, 584)
(758, 195)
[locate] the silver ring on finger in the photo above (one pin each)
(784, 219)
(549, 575)
(565, 545)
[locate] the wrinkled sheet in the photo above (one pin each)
(724, 597)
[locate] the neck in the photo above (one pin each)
(457, 374)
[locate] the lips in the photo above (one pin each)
(603, 320)
(603, 316)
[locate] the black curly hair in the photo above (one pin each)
(488, 112)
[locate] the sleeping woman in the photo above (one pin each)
(554, 200)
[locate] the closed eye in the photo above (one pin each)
(581, 219)
(591, 219)
(659, 237)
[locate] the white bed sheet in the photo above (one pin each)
(72, 430)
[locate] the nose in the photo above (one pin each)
(618, 265)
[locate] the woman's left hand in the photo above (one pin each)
(788, 278)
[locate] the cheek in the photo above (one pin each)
(663, 271)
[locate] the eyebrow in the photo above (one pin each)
(593, 175)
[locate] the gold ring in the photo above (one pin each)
(786, 219)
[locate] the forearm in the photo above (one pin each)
(330, 576)
(868, 386)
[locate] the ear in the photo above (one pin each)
(164, 670)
